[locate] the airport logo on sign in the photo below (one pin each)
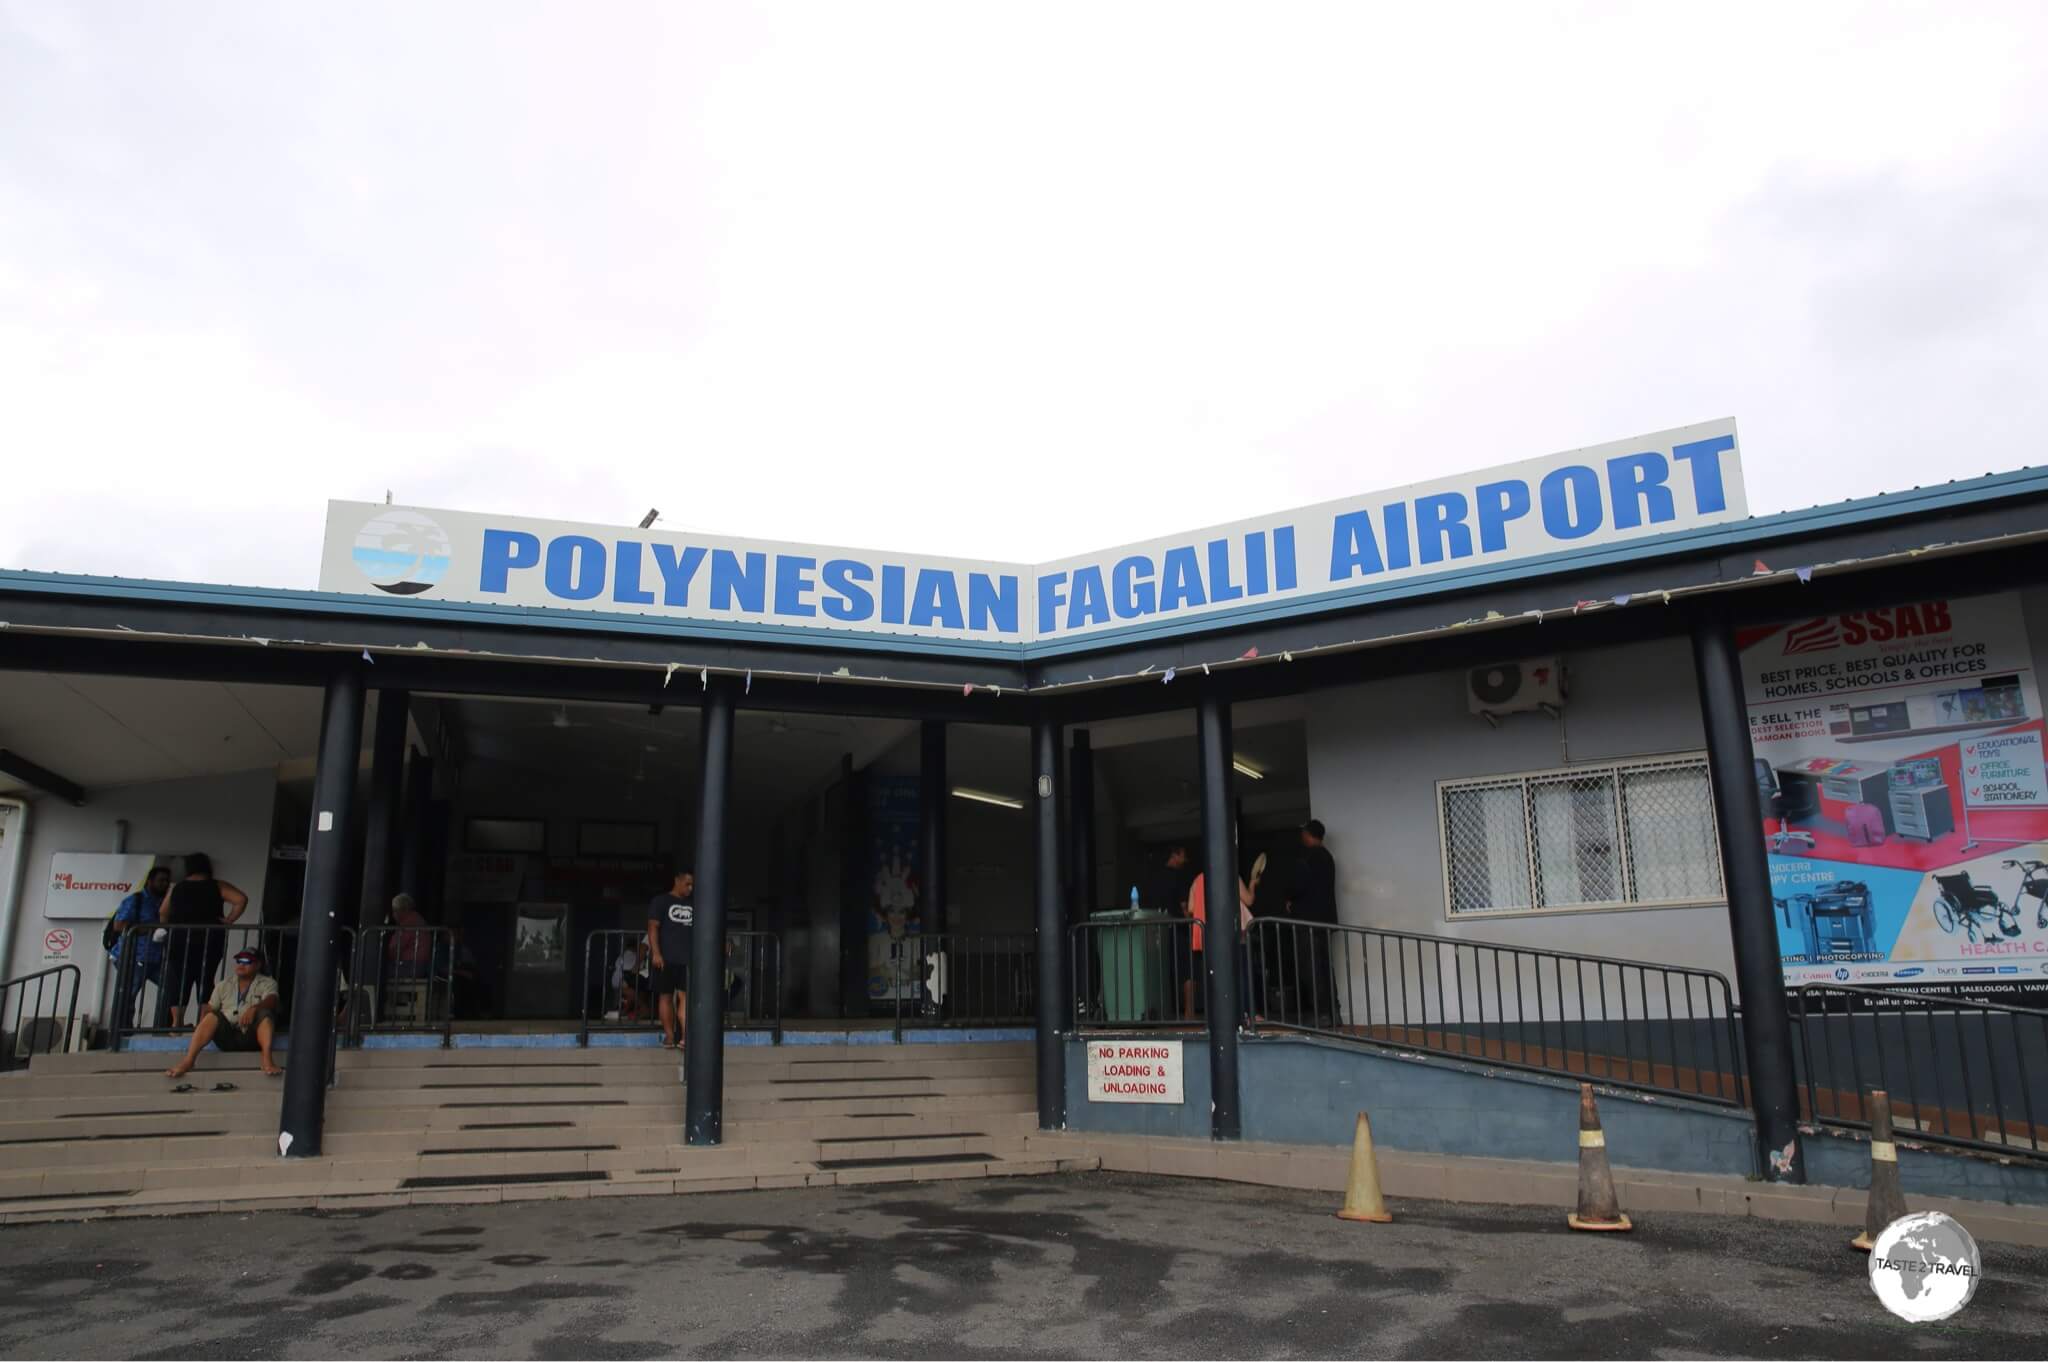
(402, 551)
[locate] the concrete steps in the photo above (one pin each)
(99, 1134)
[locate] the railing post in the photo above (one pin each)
(328, 848)
(1048, 889)
(704, 1022)
(1219, 871)
(1746, 874)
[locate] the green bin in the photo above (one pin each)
(1131, 948)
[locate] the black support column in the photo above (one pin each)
(329, 847)
(387, 780)
(933, 794)
(1219, 898)
(1081, 817)
(704, 1019)
(1746, 872)
(1050, 915)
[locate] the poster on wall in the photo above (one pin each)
(1899, 762)
(894, 907)
(91, 884)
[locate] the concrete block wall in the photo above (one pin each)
(1302, 1091)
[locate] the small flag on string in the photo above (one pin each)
(1168, 678)
(1804, 574)
(749, 690)
(1762, 568)
(1248, 654)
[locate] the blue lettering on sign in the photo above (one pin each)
(1708, 495)
(1440, 526)
(892, 594)
(936, 601)
(992, 602)
(1571, 502)
(1051, 596)
(575, 570)
(676, 571)
(733, 582)
(1221, 588)
(1090, 603)
(793, 583)
(504, 551)
(626, 588)
(847, 578)
(1132, 594)
(1635, 484)
(1180, 581)
(1255, 563)
(1500, 502)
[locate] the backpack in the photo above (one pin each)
(111, 934)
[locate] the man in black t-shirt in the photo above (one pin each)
(670, 917)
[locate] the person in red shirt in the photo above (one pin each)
(1198, 910)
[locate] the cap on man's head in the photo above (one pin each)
(1314, 828)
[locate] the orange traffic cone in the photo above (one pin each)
(1887, 1199)
(1599, 1208)
(1362, 1200)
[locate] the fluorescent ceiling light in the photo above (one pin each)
(1245, 768)
(983, 797)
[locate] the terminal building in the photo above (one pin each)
(1736, 816)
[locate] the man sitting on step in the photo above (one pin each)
(240, 1017)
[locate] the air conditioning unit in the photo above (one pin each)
(1534, 683)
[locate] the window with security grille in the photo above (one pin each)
(1615, 835)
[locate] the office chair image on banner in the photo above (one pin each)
(1772, 795)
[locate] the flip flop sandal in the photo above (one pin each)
(184, 1087)
(224, 1087)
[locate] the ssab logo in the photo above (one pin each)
(402, 552)
(1868, 626)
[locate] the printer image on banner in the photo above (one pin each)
(1898, 759)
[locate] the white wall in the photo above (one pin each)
(228, 817)
(1377, 749)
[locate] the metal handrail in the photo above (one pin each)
(191, 960)
(1975, 1078)
(965, 979)
(27, 1047)
(752, 959)
(1639, 1023)
(388, 956)
(1135, 974)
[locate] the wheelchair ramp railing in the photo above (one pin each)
(1961, 1073)
(1629, 1023)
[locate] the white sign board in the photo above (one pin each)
(1586, 499)
(91, 884)
(2004, 771)
(1135, 1071)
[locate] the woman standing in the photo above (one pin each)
(196, 905)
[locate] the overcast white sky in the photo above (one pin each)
(1006, 281)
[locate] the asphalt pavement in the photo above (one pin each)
(1084, 1265)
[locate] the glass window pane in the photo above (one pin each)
(1576, 858)
(1487, 841)
(1673, 853)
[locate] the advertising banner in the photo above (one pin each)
(1899, 763)
(91, 884)
(894, 908)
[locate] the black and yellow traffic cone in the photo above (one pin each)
(1599, 1208)
(1887, 1199)
(1362, 1199)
